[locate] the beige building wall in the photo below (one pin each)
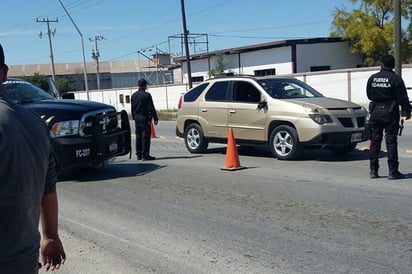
(77, 68)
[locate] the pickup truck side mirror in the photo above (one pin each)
(68, 95)
(53, 88)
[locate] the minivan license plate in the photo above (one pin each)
(356, 137)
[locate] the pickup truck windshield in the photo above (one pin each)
(22, 92)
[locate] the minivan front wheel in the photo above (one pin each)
(284, 143)
(194, 139)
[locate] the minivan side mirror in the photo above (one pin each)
(262, 105)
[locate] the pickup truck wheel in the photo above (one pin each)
(194, 139)
(284, 143)
(342, 149)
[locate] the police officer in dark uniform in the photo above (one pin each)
(386, 91)
(143, 112)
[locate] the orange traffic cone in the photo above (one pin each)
(232, 157)
(152, 130)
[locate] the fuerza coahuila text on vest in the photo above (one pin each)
(381, 83)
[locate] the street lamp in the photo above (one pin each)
(86, 86)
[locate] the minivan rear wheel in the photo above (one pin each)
(284, 143)
(195, 141)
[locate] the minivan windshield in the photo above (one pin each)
(288, 88)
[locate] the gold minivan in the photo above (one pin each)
(282, 112)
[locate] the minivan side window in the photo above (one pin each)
(217, 92)
(245, 92)
(192, 94)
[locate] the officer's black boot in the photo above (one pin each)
(373, 174)
(374, 166)
(395, 175)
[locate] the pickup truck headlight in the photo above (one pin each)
(65, 128)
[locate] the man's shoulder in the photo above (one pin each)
(11, 112)
(147, 94)
(7, 107)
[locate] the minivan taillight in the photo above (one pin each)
(179, 104)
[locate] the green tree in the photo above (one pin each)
(63, 85)
(38, 80)
(369, 29)
(219, 62)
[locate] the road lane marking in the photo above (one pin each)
(95, 229)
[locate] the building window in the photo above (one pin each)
(319, 68)
(265, 72)
(197, 79)
(128, 99)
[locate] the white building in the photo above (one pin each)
(275, 58)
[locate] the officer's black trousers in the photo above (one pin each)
(391, 128)
(142, 137)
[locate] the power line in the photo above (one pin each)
(96, 56)
(26, 25)
(256, 37)
(274, 27)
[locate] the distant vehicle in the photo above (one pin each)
(282, 112)
(83, 133)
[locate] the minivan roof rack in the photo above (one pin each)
(231, 74)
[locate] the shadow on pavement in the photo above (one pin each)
(117, 169)
(322, 155)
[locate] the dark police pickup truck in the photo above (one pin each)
(83, 133)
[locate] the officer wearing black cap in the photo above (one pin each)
(143, 112)
(386, 91)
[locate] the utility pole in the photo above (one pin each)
(49, 34)
(95, 56)
(185, 33)
(397, 37)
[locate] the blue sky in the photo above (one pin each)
(129, 26)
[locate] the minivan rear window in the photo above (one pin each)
(192, 94)
(218, 92)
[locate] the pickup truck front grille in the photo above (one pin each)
(106, 120)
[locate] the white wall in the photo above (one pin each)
(275, 58)
(335, 55)
(232, 64)
(342, 84)
(164, 97)
(199, 67)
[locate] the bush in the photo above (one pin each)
(164, 115)
(167, 115)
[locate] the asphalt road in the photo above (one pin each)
(183, 214)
